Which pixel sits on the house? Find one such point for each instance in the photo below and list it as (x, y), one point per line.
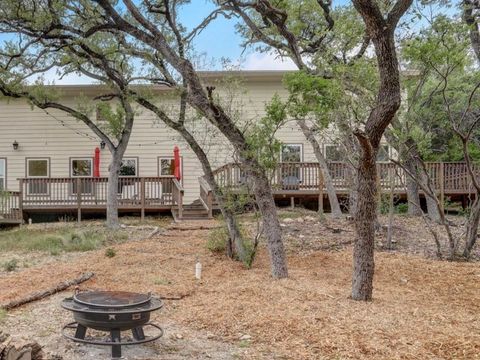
(47, 159)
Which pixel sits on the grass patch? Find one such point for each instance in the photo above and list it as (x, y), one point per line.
(217, 240)
(63, 239)
(110, 253)
(3, 315)
(160, 281)
(10, 265)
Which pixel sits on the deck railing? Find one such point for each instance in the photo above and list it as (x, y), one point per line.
(10, 207)
(206, 196)
(447, 177)
(142, 193)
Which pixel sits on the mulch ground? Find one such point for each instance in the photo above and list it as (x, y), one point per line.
(422, 308)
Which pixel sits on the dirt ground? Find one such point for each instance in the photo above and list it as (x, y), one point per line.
(422, 308)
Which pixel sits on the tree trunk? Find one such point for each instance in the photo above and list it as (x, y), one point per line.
(327, 179)
(413, 195)
(112, 191)
(472, 227)
(271, 225)
(363, 251)
(381, 30)
(353, 200)
(391, 210)
(432, 206)
(235, 247)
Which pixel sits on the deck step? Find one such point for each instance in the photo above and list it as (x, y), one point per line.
(191, 214)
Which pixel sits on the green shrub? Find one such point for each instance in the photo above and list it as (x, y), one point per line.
(217, 240)
(110, 253)
(10, 265)
(217, 243)
(401, 208)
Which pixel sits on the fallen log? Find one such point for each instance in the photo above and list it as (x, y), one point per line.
(42, 294)
(201, 227)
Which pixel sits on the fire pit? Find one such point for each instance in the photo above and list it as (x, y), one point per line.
(113, 312)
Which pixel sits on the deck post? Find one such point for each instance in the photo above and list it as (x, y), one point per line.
(442, 185)
(210, 204)
(180, 204)
(79, 200)
(20, 200)
(229, 175)
(142, 190)
(320, 192)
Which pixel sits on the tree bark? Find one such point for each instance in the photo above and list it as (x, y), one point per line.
(432, 206)
(363, 251)
(271, 225)
(469, 18)
(327, 179)
(391, 211)
(381, 30)
(112, 191)
(413, 194)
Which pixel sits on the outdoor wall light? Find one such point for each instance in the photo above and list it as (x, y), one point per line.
(102, 145)
(15, 145)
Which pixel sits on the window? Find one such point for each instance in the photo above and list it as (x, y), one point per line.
(333, 153)
(166, 166)
(129, 167)
(3, 174)
(383, 153)
(291, 175)
(335, 158)
(292, 153)
(38, 169)
(82, 167)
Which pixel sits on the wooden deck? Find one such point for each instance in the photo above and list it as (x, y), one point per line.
(305, 179)
(165, 193)
(90, 194)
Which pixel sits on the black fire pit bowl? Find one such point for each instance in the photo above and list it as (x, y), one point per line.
(112, 311)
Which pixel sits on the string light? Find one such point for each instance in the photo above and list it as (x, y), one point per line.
(86, 135)
(63, 123)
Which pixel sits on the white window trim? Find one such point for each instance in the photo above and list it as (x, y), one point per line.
(159, 168)
(389, 153)
(81, 159)
(38, 159)
(292, 144)
(136, 167)
(4, 175)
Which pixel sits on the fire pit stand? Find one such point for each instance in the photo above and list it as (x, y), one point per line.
(112, 312)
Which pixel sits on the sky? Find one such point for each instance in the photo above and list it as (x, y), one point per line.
(219, 40)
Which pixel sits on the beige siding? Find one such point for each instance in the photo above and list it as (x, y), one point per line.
(60, 137)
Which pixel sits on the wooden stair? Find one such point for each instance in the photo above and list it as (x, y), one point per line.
(193, 211)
